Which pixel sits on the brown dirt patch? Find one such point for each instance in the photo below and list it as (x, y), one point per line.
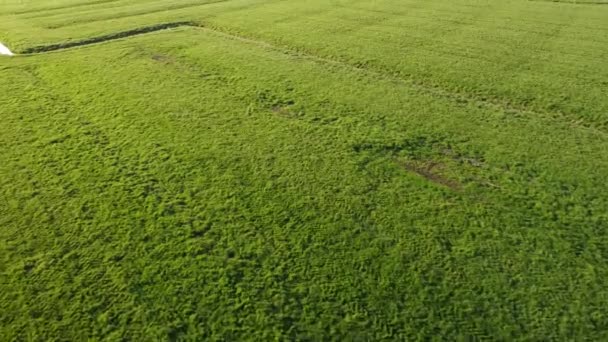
(162, 58)
(431, 171)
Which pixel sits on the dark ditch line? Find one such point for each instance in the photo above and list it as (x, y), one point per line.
(491, 103)
(105, 38)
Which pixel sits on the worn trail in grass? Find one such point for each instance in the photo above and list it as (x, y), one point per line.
(241, 181)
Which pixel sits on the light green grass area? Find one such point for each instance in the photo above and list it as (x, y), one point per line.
(305, 170)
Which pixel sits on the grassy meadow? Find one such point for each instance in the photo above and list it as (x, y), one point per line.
(304, 170)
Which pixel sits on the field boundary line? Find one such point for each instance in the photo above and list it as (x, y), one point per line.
(421, 86)
(496, 104)
(104, 38)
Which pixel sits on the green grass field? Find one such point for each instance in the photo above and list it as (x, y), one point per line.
(305, 170)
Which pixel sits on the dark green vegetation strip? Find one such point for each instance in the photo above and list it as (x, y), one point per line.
(369, 177)
(104, 38)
